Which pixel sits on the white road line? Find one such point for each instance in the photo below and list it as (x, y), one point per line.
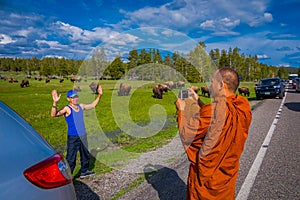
(249, 181)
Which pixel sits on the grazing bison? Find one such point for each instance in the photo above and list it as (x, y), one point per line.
(204, 90)
(47, 80)
(157, 91)
(244, 90)
(73, 79)
(195, 88)
(76, 88)
(180, 84)
(25, 82)
(12, 80)
(94, 87)
(170, 84)
(38, 78)
(164, 87)
(124, 89)
(3, 77)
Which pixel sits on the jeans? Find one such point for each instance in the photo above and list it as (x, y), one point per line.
(74, 144)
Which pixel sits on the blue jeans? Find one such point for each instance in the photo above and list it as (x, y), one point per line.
(75, 144)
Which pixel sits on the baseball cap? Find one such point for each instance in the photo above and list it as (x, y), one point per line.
(72, 93)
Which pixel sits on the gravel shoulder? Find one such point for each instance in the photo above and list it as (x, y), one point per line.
(169, 182)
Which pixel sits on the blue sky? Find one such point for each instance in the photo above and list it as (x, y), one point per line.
(72, 29)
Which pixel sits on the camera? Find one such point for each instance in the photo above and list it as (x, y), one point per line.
(184, 94)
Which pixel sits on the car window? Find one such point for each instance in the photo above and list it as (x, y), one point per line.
(269, 82)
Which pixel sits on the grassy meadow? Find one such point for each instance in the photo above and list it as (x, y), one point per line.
(109, 123)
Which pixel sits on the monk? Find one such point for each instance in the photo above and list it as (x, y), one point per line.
(213, 136)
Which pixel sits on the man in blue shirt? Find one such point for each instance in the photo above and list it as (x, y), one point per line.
(77, 136)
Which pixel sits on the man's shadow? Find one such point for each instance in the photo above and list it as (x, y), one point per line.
(166, 182)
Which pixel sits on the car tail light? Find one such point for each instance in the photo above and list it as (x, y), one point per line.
(50, 173)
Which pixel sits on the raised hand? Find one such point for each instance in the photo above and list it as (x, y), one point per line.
(100, 90)
(55, 96)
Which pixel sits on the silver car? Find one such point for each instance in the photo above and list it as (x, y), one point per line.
(30, 167)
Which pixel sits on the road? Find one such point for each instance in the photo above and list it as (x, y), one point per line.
(269, 167)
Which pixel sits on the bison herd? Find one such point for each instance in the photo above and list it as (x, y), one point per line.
(124, 89)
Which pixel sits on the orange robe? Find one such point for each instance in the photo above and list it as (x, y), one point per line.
(213, 137)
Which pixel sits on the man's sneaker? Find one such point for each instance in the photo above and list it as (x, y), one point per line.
(86, 174)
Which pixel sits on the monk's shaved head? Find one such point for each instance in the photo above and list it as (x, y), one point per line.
(230, 77)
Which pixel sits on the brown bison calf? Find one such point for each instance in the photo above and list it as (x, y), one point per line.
(204, 90)
(124, 89)
(244, 90)
(24, 83)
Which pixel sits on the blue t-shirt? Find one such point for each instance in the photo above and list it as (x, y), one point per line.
(75, 122)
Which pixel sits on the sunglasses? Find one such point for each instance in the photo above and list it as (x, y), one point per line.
(74, 97)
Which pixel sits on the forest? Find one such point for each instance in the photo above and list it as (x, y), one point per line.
(145, 64)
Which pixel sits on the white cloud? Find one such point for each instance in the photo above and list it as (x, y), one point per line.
(5, 39)
(284, 65)
(208, 25)
(264, 56)
(258, 21)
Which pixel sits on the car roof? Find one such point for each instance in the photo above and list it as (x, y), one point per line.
(270, 78)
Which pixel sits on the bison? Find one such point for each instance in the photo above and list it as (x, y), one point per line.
(94, 87)
(47, 80)
(180, 84)
(157, 91)
(25, 82)
(204, 90)
(170, 84)
(73, 79)
(164, 87)
(12, 80)
(124, 89)
(244, 90)
(76, 88)
(38, 78)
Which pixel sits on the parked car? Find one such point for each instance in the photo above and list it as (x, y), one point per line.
(30, 167)
(270, 88)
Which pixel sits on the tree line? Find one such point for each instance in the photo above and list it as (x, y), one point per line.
(148, 64)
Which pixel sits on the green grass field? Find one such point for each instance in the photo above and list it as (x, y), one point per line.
(131, 124)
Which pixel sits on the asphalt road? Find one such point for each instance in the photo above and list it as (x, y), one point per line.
(269, 168)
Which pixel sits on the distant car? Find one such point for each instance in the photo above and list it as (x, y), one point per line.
(270, 88)
(294, 83)
(30, 167)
